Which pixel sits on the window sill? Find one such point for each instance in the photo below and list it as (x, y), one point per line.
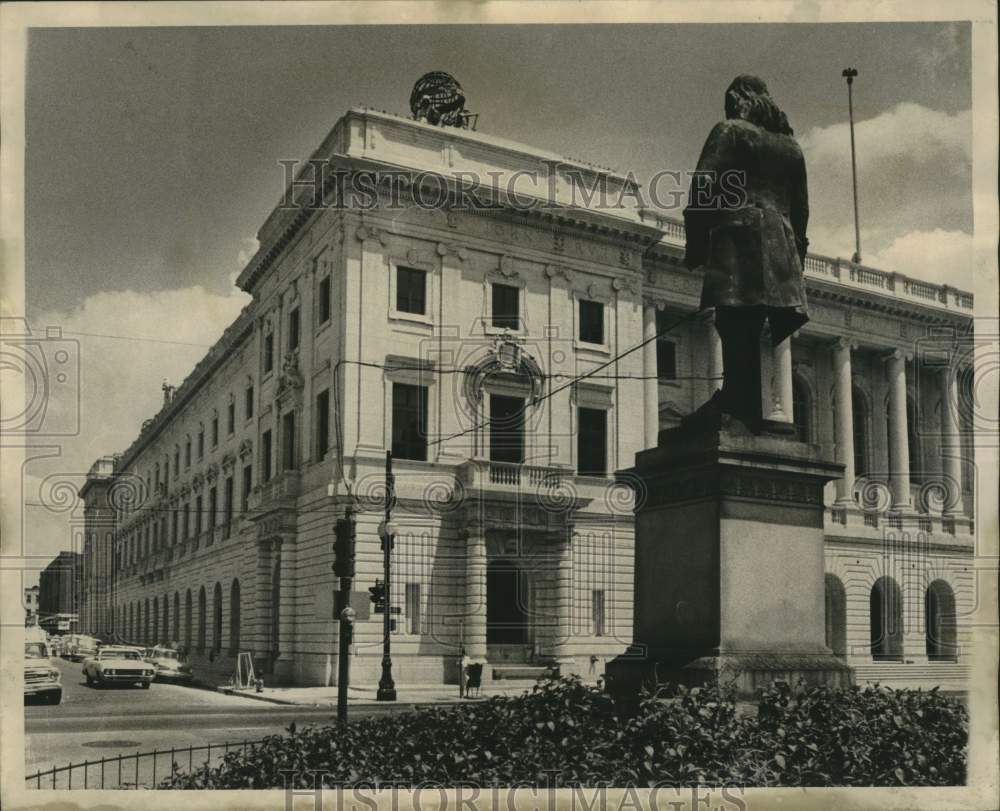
(586, 346)
(489, 329)
(411, 318)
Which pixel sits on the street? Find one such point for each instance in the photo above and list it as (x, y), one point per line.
(92, 723)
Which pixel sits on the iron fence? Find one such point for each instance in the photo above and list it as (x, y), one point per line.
(131, 771)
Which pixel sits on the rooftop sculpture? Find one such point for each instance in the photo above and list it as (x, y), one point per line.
(438, 98)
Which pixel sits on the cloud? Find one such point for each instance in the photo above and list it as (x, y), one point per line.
(914, 176)
(938, 256)
(128, 343)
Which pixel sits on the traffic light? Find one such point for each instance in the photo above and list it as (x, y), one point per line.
(343, 548)
(377, 593)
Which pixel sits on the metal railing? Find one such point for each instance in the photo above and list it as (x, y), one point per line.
(133, 771)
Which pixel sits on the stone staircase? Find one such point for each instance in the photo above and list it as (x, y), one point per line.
(946, 675)
(518, 672)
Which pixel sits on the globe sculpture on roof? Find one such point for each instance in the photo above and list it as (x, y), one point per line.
(437, 98)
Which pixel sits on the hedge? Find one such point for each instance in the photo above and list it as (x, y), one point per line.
(568, 734)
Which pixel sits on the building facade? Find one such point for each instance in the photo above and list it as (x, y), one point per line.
(31, 606)
(496, 351)
(60, 591)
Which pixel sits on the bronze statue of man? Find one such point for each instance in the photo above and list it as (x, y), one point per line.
(746, 230)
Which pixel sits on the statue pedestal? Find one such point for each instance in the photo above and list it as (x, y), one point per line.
(729, 573)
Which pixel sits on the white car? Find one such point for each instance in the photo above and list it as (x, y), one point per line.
(79, 647)
(41, 678)
(118, 665)
(170, 664)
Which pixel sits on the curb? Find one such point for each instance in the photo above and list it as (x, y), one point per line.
(406, 706)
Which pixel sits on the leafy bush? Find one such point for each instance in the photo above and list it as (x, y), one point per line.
(565, 733)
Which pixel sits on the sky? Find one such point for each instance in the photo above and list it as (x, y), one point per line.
(153, 158)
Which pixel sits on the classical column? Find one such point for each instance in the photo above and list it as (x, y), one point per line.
(781, 389)
(899, 450)
(475, 595)
(714, 343)
(651, 385)
(951, 445)
(561, 649)
(844, 416)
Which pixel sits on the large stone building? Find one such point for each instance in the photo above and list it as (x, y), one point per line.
(456, 338)
(60, 593)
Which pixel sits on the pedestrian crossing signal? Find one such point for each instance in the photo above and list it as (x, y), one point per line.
(377, 593)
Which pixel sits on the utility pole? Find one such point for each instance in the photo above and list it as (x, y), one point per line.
(849, 74)
(343, 567)
(386, 686)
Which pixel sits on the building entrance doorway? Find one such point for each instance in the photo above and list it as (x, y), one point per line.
(508, 609)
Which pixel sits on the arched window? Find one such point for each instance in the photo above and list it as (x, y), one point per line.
(234, 617)
(217, 618)
(176, 637)
(188, 619)
(913, 441)
(801, 409)
(859, 408)
(940, 622)
(202, 619)
(886, 620)
(836, 615)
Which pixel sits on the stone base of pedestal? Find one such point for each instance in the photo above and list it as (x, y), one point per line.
(729, 572)
(746, 673)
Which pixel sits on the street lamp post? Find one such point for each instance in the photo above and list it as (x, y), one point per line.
(849, 74)
(386, 686)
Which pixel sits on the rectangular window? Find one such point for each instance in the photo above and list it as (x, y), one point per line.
(293, 329)
(227, 507)
(177, 460)
(288, 441)
(187, 453)
(201, 442)
(322, 424)
(231, 418)
(411, 290)
(592, 442)
(409, 421)
(506, 307)
(187, 520)
(666, 355)
(413, 608)
(175, 535)
(597, 611)
(591, 322)
(247, 487)
(265, 456)
(248, 402)
(198, 509)
(324, 300)
(215, 430)
(213, 508)
(506, 429)
(268, 352)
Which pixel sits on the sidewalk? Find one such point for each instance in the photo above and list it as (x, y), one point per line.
(406, 694)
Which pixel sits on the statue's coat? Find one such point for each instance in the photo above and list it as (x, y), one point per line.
(749, 236)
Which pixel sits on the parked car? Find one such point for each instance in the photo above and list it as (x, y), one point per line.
(42, 679)
(116, 664)
(79, 647)
(170, 664)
